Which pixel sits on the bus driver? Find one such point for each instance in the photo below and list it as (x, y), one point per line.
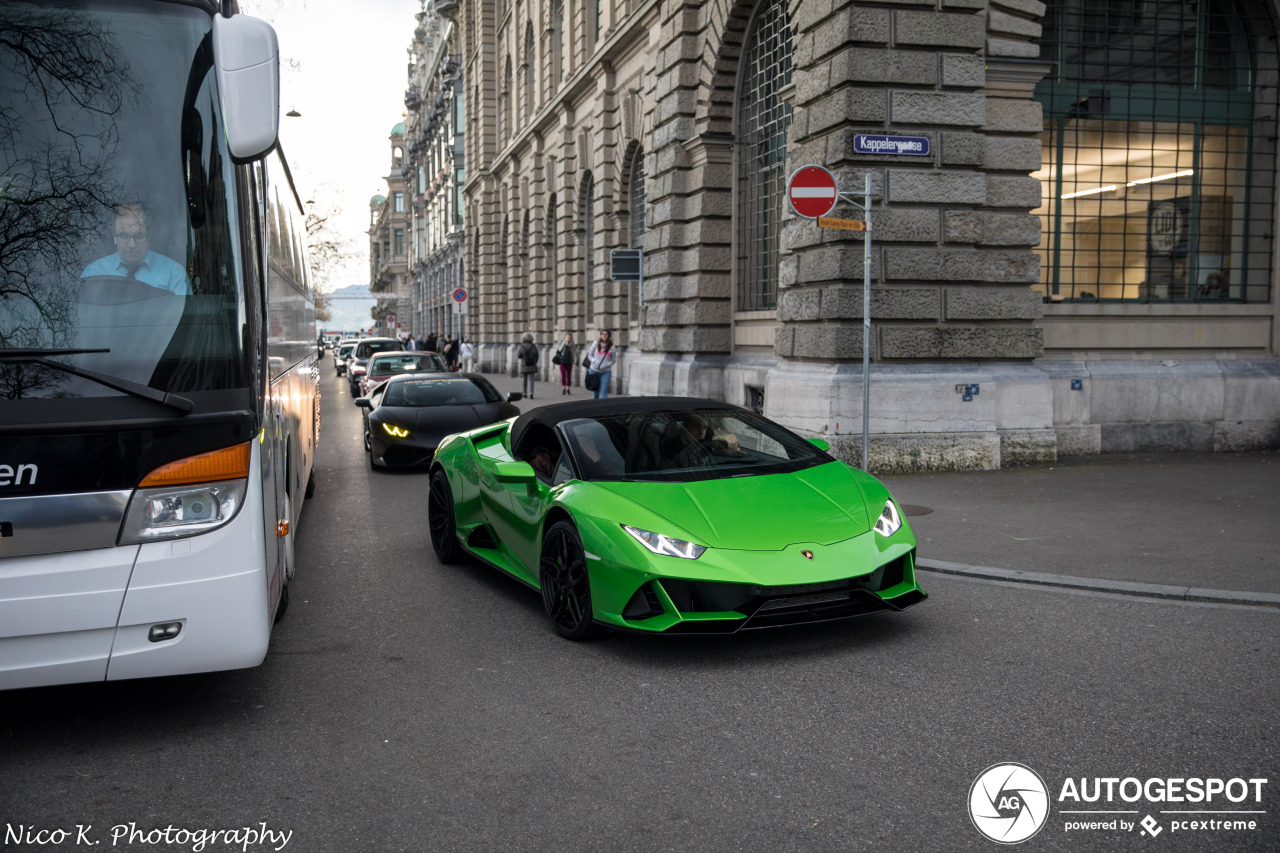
(133, 257)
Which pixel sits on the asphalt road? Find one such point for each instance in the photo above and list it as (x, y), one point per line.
(406, 706)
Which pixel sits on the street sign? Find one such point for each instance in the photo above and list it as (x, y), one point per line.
(867, 143)
(842, 224)
(460, 295)
(811, 191)
(624, 264)
(391, 320)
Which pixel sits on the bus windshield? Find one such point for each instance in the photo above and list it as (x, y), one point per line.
(120, 241)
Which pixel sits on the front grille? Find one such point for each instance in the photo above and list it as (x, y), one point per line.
(770, 606)
(404, 456)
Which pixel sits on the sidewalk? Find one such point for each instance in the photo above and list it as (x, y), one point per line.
(1200, 526)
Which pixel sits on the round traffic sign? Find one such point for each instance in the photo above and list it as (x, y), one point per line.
(460, 295)
(811, 191)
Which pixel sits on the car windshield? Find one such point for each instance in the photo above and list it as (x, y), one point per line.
(440, 392)
(678, 446)
(367, 348)
(394, 365)
(345, 350)
(118, 235)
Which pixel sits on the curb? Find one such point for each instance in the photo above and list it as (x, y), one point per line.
(1144, 590)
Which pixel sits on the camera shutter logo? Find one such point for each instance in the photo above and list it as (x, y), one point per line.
(1008, 803)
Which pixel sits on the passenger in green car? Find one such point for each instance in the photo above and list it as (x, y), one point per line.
(691, 441)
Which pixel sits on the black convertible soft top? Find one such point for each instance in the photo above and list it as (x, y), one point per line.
(560, 412)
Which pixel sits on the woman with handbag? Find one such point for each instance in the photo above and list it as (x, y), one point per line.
(565, 358)
(599, 364)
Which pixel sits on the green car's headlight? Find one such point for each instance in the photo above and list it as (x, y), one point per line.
(889, 521)
(395, 431)
(666, 545)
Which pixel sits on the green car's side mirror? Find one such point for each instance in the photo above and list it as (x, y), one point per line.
(820, 443)
(515, 473)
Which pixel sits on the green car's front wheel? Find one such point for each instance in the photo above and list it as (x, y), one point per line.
(566, 587)
(444, 534)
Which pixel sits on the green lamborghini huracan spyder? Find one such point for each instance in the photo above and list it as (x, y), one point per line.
(671, 515)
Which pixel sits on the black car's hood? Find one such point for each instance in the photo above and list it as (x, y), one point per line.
(440, 420)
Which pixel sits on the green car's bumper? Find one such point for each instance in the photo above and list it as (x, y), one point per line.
(725, 591)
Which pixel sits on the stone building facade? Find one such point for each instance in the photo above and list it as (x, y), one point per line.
(389, 241)
(434, 170)
(1082, 262)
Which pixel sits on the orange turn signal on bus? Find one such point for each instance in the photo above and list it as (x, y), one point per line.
(229, 463)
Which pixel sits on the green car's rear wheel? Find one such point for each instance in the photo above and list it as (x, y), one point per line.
(566, 587)
(444, 534)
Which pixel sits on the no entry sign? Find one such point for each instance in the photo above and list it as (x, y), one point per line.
(812, 191)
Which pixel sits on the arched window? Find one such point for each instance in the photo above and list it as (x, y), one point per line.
(504, 106)
(557, 40)
(553, 252)
(1159, 153)
(589, 244)
(763, 119)
(529, 61)
(635, 213)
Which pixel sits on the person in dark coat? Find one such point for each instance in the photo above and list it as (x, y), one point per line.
(527, 359)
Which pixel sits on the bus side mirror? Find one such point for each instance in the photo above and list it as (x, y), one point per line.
(246, 59)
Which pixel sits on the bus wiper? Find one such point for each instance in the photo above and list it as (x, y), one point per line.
(31, 355)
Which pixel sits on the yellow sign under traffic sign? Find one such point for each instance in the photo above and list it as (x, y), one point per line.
(842, 224)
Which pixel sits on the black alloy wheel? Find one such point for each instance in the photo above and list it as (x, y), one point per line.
(566, 586)
(444, 534)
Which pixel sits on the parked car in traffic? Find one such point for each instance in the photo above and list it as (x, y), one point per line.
(340, 353)
(406, 417)
(365, 349)
(385, 365)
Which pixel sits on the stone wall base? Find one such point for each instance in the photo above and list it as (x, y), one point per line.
(941, 417)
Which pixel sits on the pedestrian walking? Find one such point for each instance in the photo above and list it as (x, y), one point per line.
(467, 352)
(599, 364)
(566, 357)
(410, 344)
(527, 357)
(432, 341)
(451, 353)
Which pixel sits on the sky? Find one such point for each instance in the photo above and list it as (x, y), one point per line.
(345, 68)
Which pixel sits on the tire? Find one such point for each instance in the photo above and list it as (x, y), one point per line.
(283, 605)
(444, 531)
(566, 584)
(311, 485)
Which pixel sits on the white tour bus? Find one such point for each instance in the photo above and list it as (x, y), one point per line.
(158, 376)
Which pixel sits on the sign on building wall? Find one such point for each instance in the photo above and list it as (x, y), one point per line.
(915, 146)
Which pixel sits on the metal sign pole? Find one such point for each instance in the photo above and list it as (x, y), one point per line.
(865, 207)
(866, 332)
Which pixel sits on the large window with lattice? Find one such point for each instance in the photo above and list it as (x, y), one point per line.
(763, 119)
(1159, 157)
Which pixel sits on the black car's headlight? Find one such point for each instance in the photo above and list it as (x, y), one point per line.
(889, 521)
(667, 546)
(395, 431)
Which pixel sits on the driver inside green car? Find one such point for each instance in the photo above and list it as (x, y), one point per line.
(692, 441)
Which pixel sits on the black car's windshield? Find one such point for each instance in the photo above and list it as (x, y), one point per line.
(394, 365)
(114, 171)
(440, 392)
(703, 444)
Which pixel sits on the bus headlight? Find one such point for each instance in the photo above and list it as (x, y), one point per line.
(157, 514)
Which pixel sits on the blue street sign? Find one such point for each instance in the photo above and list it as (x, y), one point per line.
(916, 146)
